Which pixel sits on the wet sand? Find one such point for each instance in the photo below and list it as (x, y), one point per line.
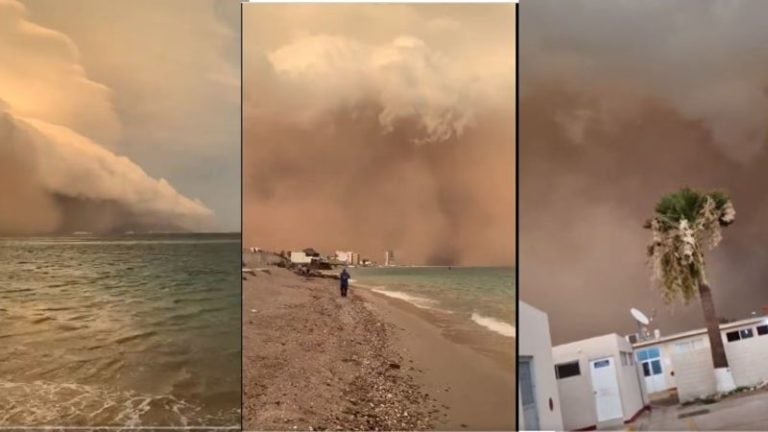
(316, 361)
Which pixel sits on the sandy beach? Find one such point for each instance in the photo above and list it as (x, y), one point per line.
(316, 361)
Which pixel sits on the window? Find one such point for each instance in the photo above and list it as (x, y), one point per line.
(762, 330)
(602, 364)
(736, 335)
(565, 370)
(648, 354)
(652, 367)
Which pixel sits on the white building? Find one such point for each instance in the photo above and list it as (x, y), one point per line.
(348, 257)
(683, 361)
(598, 382)
(538, 400)
(300, 258)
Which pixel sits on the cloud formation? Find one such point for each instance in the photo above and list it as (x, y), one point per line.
(396, 135)
(59, 132)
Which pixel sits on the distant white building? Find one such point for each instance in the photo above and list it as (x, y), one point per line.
(683, 361)
(348, 257)
(598, 382)
(538, 399)
(300, 258)
(389, 258)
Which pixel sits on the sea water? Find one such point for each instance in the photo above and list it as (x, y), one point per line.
(120, 331)
(484, 295)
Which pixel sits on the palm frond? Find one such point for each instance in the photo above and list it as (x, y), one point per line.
(685, 224)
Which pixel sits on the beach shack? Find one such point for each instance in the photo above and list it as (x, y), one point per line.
(598, 382)
(683, 361)
(538, 400)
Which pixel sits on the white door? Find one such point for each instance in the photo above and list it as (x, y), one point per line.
(654, 376)
(528, 394)
(606, 389)
(653, 369)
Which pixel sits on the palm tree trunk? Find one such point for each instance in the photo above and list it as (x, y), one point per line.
(713, 327)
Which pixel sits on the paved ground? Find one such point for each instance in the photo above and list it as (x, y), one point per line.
(747, 412)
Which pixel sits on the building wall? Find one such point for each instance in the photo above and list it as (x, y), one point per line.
(670, 376)
(694, 373)
(631, 384)
(577, 399)
(748, 359)
(535, 341)
(344, 256)
(693, 370)
(300, 258)
(576, 395)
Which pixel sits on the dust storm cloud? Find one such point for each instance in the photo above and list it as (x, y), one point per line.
(69, 140)
(374, 127)
(622, 102)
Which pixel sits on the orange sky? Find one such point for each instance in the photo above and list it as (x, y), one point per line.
(374, 127)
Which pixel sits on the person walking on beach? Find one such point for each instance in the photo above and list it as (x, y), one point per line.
(344, 281)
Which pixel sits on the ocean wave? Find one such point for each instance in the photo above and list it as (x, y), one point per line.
(48, 403)
(497, 326)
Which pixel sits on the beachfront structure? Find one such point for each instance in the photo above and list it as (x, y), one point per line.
(683, 361)
(301, 257)
(598, 382)
(261, 258)
(389, 258)
(538, 400)
(348, 257)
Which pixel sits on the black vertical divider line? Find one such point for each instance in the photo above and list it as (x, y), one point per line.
(242, 240)
(517, 206)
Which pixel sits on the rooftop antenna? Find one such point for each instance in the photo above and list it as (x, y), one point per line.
(642, 323)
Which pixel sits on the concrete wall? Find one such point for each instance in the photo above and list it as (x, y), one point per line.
(576, 395)
(694, 373)
(577, 400)
(631, 384)
(535, 341)
(748, 359)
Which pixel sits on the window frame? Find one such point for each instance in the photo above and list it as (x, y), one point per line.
(568, 363)
(764, 328)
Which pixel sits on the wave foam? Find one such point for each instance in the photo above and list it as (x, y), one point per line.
(420, 302)
(42, 403)
(497, 326)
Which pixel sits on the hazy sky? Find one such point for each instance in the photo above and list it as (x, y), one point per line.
(119, 114)
(622, 102)
(373, 127)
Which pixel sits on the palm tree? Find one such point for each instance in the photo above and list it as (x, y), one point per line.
(685, 224)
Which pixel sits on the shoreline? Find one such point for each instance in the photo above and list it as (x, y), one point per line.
(469, 370)
(365, 362)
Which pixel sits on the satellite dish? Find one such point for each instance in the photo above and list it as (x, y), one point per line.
(639, 316)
